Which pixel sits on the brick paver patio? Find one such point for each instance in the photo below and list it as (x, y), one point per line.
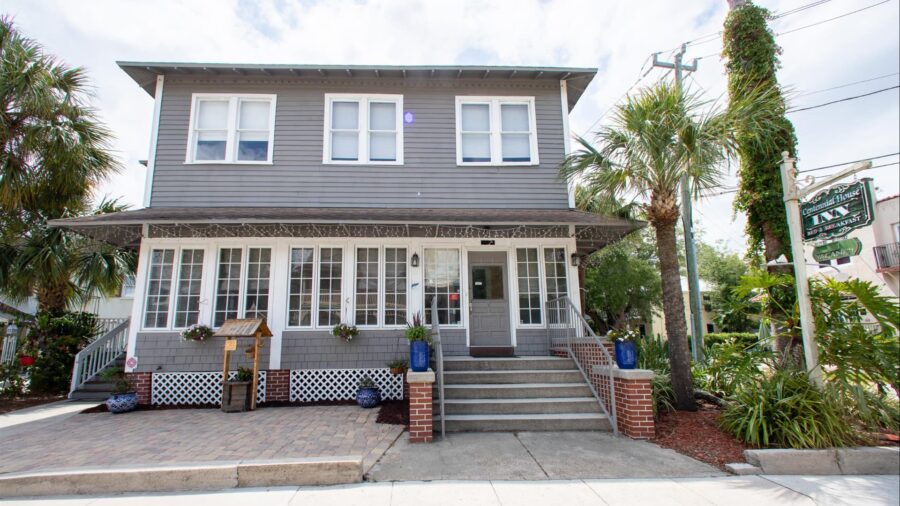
(195, 435)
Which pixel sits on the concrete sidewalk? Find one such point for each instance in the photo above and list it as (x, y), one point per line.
(725, 491)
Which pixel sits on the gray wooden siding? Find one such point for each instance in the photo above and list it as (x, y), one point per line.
(297, 178)
(168, 352)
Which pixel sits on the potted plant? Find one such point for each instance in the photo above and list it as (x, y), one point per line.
(398, 366)
(345, 332)
(197, 332)
(368, 395)
(419, 339)
(123, 398)
(626, 347)
(236, 393)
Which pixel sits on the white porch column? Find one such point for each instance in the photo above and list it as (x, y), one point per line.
(137, 305)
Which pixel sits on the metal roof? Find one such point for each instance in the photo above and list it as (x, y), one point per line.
(144, 73)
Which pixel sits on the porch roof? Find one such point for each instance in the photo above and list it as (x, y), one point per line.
(592, 231)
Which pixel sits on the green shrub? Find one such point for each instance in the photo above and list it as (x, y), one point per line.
(715, 338)
(786, 410)
(729, 364)
(653, 354)
(56, 339)
(11, 381)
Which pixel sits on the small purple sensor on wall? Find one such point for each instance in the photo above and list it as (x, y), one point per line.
(408, 117)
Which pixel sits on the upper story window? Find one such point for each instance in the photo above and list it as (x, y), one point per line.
(496, 131)
(231, 128)
(363, 129)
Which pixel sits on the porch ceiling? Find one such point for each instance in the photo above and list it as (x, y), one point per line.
(591, 231)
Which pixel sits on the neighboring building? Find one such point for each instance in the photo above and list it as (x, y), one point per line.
(117, 307)
(879, 259)
(312, 196)
(657, 326)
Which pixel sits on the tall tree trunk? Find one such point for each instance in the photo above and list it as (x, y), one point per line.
(673, 309)
(52, 299)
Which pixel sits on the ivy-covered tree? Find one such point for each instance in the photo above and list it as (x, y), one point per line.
(751, 59)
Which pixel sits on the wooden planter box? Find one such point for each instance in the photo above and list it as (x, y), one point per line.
(236, 396)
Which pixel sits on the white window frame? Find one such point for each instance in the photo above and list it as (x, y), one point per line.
(463, 287)
(496, 142)
(231, 137)
(173, 292)
(382, 286)
(542, 287)
(242, 286)
(314, 299)
(362, 128)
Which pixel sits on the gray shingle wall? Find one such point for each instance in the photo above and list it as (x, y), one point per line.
(429, 177)
(532, 342)
(172, 354)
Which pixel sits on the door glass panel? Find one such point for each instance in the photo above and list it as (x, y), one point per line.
(487, 282)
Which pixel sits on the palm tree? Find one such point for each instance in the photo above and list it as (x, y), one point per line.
(53, 152)
(653, 140)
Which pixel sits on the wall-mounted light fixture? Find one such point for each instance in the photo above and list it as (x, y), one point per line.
(414, 260)
(576, 260)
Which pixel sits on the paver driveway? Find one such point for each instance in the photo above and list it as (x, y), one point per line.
(194, 435)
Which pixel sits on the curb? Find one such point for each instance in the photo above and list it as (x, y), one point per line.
(832, 461)
(184, 477)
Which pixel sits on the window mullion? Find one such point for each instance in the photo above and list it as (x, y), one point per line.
(363, 131)
(173, 289)
(231, 141)
(496, 139)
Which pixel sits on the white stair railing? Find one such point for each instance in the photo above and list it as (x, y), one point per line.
(9, 349)
(98, 355)
(567, 328)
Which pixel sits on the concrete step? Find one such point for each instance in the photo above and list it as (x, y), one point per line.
(507, 364)
(543, 405)
(516, 391)
(513, 376)
(96, 386)
(80, 395)
(531, 422)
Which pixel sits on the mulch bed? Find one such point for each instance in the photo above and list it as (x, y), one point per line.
(394, 413)
(697, 435)
(7, 404)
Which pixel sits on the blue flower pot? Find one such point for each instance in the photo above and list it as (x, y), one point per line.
(418, 356)
(122, 403)
(626, 354)
(368, 397)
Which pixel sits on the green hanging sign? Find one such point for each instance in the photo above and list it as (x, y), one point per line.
(837, 249)
(837, 211)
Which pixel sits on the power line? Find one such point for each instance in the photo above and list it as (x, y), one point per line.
(870, 168)
(843, 99)
(735, 190)
(848, 84)
(848, 163)
(834, 18)
(800, 9)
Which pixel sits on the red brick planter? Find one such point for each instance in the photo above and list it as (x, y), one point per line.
(421, 422)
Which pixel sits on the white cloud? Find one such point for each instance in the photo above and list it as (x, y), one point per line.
(616, 36)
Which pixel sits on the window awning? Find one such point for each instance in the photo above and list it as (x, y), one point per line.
(591, 231)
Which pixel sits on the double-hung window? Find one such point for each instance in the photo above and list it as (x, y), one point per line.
(183, 270)
(243, 279)
(363, 129)
(496, 131)
(231, 129)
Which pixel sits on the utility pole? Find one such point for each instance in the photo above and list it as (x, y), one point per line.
(687, 220)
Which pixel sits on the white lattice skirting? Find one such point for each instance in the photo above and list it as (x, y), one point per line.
(195, 388)
(309, 385)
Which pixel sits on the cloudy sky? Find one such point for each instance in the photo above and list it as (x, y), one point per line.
(616, 37)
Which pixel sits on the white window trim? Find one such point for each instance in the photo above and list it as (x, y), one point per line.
(382, 292)
(542, 288)
(494, 104)
(231, 136)
(317, 288)
(314, 299)
(363, 127)
(242, 286)
(173, 287)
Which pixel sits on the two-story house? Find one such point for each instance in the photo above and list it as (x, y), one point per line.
(319, 195)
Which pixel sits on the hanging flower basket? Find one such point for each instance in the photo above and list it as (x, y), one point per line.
(26, 360)
(197, 332)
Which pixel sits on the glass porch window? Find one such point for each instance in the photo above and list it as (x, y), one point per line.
(476, 132)
(442, 282)
(187, 299)
(382, 131)
(344, 131)
(228, 285)
(330, 270)
(366, 286)
(253, 130)
(211, 132)
(256, 293)
(395, 286)
(527, 269)
(555, 279)
(301, 288)
(159, 287)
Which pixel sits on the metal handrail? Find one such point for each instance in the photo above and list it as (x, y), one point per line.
(574, 325)
(438, 361)
(98, 355)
